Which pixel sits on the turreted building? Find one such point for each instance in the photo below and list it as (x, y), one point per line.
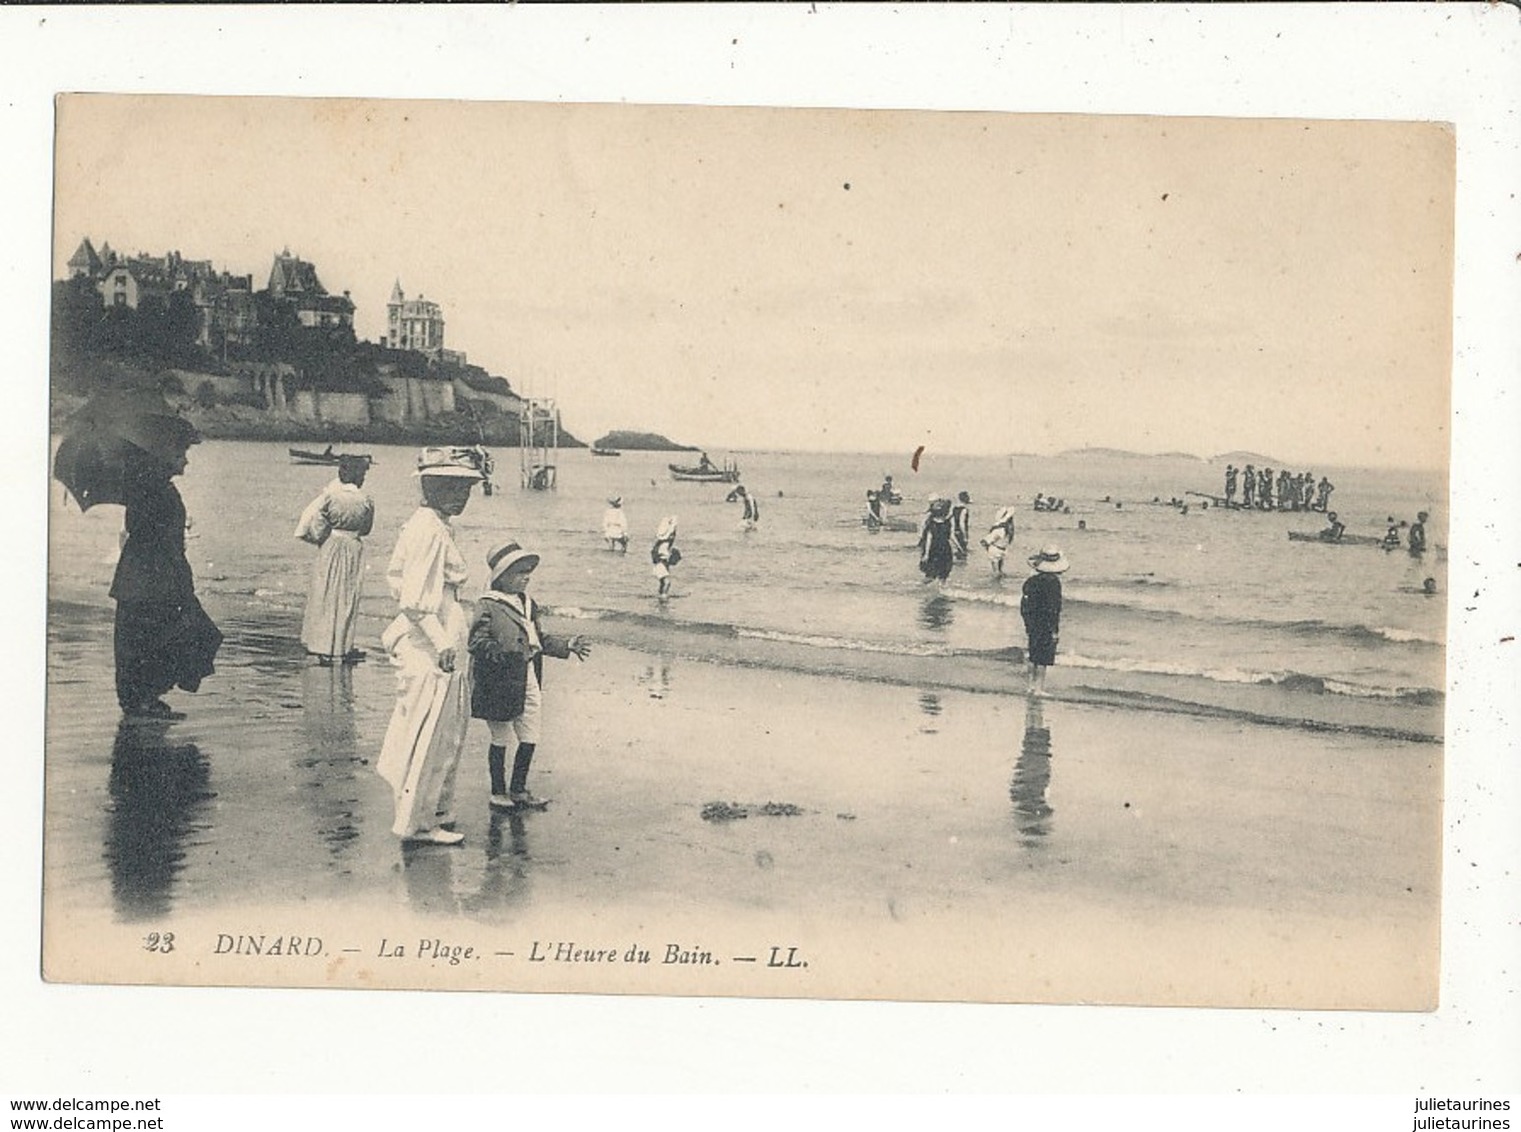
(414, 324)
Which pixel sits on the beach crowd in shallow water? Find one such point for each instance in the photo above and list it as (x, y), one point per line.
(452, 667)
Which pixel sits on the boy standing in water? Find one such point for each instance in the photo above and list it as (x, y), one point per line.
(507, 650)
(1040, 604)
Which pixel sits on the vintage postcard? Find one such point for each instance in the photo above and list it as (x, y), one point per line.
(656, 550)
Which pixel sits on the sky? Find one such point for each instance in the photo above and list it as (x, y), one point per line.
(834, 280)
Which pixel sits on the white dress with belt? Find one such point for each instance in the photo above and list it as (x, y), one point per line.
(427, 731)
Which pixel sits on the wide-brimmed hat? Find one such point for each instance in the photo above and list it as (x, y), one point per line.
(1005, 515)
(667, 528)
(508, 555)
(1050, 560)
(450, 463)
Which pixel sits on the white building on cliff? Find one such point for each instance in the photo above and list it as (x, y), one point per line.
(417, 324)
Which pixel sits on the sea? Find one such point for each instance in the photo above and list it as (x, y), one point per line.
(1198, 608)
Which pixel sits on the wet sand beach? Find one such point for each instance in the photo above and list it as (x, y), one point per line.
(901, 841)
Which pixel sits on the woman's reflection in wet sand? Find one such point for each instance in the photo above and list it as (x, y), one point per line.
(929, 705)
(1032, 778)
(328, 758)
(937, 612)
(158, 789)
(437, 877)
(428, 873)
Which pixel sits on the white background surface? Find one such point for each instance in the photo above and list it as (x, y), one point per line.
(1452, 62)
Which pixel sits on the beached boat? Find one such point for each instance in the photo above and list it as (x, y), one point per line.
(595, 451)
(698, 473)
(1345, 540)
(328, 458)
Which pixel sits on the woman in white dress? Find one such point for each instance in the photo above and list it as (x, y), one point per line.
(336, 522)
(428, 644)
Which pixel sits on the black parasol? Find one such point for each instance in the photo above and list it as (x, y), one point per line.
(110, 435)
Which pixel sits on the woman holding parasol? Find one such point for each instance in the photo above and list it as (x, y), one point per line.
(126, 447)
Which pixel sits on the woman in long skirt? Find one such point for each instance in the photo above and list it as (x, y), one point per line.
(336, 522)
(163, 637)
(428, 645)
(935, 554)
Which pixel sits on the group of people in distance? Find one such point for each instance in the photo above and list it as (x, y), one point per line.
(1289, 491)
(663, 552)
(1044, 502)
(1394, 538)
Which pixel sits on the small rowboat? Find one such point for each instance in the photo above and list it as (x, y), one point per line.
(328, 458)
(729, 473)
(595, 451)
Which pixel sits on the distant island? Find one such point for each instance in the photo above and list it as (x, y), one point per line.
(1122, 454)
(622, 439)
(1256, 458)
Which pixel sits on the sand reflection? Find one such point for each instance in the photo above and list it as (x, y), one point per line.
(327, 758)
(937, 612)
(656, 678)
(158, 789)
(504, 881)
(449, 880)
(930, 705)
(1032, 778)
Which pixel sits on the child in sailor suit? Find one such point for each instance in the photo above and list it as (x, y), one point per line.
(507, 650)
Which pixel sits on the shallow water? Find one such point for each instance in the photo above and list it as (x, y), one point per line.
(1215, 605)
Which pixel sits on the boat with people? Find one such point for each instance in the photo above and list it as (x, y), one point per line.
(327, 457)
(1343, 540)
(705, 471)
(595, 451)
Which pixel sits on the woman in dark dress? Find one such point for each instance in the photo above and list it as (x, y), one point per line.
(163, 637)
(1040, 604)
(935, 554)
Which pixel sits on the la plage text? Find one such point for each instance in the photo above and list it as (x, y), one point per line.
(436, 949)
